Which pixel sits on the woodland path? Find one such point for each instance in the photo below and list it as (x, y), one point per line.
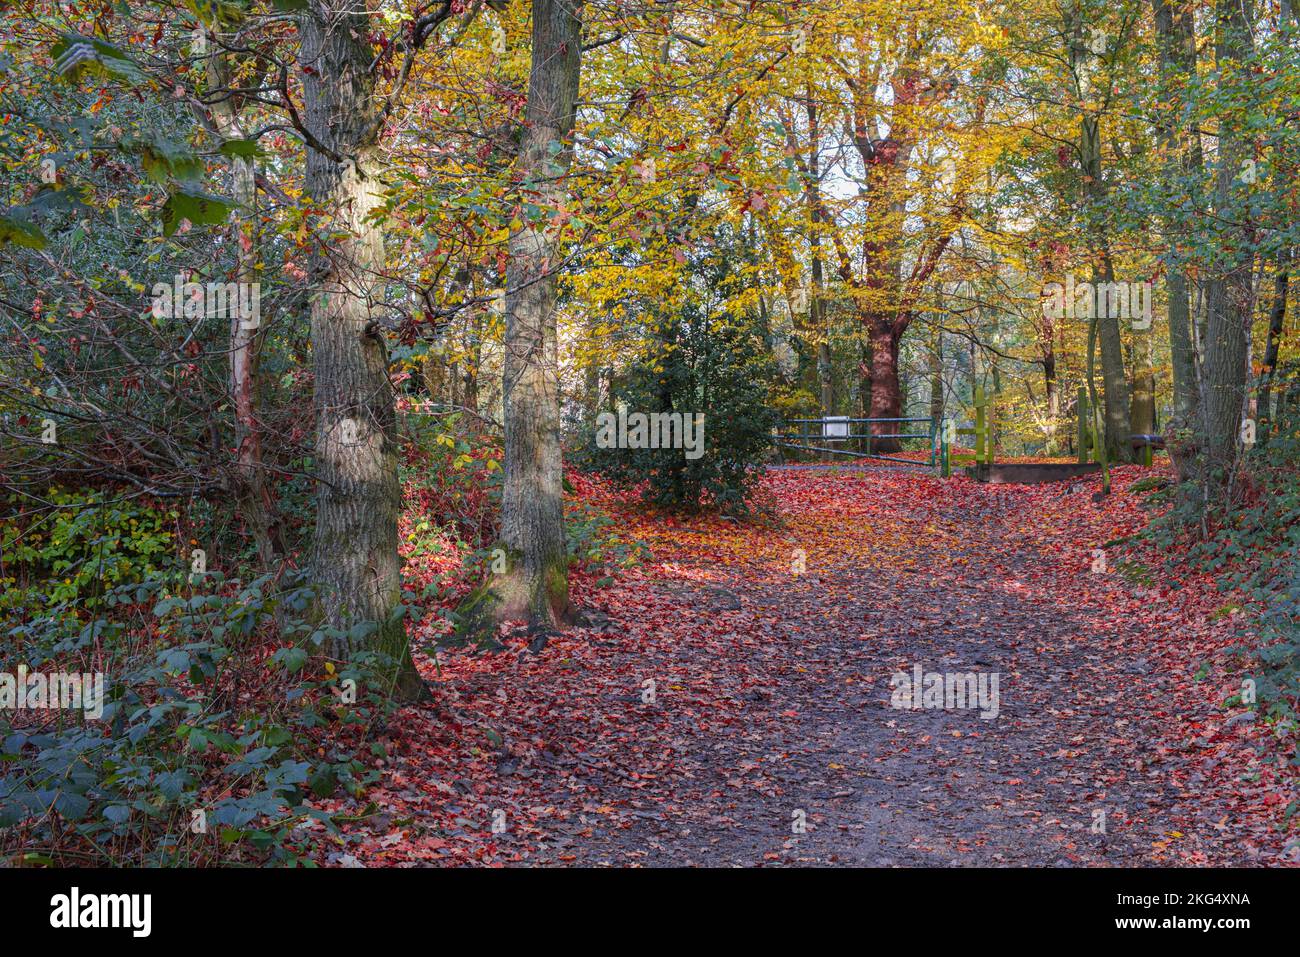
(772, 696)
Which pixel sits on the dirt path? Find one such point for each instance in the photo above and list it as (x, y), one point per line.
(880, 786)
(772, 704)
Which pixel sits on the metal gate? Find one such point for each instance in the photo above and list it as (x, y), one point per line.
(799, 433)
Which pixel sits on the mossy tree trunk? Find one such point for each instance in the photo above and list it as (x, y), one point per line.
(1176, 36)
(1230, 294)
(356, 564)
(535, 584)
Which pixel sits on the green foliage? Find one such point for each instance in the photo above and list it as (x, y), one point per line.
(707, 365)
(792, 402)
(177, 743)
(77, 56)
(593, 539)
(86, 541)
(1136, 574)
(19, 233)
(452, 477)
(1265, 535)
(1152, 483)
(163, 160)
(199, 208)
(709, 358)
(1253, 548)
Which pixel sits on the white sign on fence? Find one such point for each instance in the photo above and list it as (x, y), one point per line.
(835, 427)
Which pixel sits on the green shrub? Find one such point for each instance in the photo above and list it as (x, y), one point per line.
(701, 365)
(83, 542)
(208, 749)
(1253, 548)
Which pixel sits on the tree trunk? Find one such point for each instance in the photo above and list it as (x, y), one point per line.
(1114, 379)
(477, 329)
(1277, 315)
(1053, 390)
(356, 564)
(864, 390)
(886, 396)
(591, 384)
(1142, 417)
(824, 378)
(1276, 324)
(1046, 328)
(434, 373)
(1229, 295)
(1176, 34)
(936, 375)
(1182, 348)
(254, 493)
(536, 586)
(825, 368)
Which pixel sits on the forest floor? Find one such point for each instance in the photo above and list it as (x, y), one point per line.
(771, 739)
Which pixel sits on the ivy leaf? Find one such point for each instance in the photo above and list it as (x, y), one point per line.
(20, 234)
(163, 160)
(76, 56)
(324, 782)
(201, 209)
(71, 805)
(214, 12)
(293, 659)
(241, 149)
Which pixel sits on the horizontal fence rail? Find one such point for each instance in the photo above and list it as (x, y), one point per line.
(834, 430)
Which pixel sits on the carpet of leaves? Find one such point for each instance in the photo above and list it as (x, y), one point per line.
(771, 699)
